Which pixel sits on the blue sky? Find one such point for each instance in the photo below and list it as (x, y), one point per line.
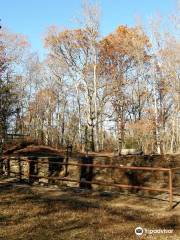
(32, 17)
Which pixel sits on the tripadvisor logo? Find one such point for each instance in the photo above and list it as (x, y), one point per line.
(139, 231)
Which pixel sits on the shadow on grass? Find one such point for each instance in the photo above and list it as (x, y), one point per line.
(129, 214)
(84, 205)
(4, 219)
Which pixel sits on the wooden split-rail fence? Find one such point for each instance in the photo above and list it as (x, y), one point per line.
(86, 180)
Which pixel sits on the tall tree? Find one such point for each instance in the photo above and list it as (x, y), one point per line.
(121, 52)
(78, 50)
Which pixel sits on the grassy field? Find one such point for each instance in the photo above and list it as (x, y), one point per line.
(45, 213)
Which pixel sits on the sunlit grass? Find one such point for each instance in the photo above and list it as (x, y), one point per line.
(46, 213)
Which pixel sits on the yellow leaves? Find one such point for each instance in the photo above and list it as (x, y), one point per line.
(45, 100)
(51, 36)
(124, 46)
(46, 94)
(142, 126)
(10, 39)
(131, 38)
(12, 46)
(122, 30)
(75, 39)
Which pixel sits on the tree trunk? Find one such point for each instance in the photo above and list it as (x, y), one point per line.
(157, 132)
(79, 116)
(62, 132)
(86, 139)
(102, 134)
(96, 132)
(92, 145)
(120, 130)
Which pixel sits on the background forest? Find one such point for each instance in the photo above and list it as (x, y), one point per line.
(95, 92)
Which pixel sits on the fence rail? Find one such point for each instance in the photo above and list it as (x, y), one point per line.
(170, 171)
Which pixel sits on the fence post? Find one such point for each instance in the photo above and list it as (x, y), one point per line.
(86, 172)
(68, 154)
(29, 170)
(8, 166)
(1, 155)
(20, 169)
(170, 190)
